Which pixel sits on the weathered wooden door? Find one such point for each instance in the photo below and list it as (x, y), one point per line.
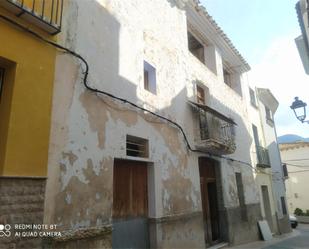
(267, 207)
(209, 201)
(130, 205)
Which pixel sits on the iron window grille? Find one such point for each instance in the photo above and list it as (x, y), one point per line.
(262, 157)
(136, 146)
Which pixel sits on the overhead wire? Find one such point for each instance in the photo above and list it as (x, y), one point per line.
(90, 88)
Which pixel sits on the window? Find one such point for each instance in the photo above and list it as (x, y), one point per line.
(241, 197)
(227, 77)
(137, 147)
(196, 48)
(269, 115)
(149, 78)
(200, 95)
(285, 170)
(1, 81)
(255, 135)
(284, 211)
(252, 97)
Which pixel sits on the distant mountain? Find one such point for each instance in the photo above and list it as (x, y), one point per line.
(291, 138)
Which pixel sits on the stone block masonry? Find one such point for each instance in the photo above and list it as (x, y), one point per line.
(21, 202)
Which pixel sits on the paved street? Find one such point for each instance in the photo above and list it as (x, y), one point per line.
(299, 241)
(299, 238)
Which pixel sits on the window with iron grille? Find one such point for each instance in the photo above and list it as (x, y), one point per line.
(1, 81)
(137, 147)
(252, 97)
(47, 15)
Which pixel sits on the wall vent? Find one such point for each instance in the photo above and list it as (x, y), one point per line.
(137, 147)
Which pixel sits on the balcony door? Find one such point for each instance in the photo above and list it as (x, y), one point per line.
(208, 182)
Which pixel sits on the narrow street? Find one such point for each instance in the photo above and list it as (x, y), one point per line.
(299, 241)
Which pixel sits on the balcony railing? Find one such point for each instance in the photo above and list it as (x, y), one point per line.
(262, 157)
(215, 131)
(46, 14)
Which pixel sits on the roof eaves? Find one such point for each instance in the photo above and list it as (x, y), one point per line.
(201, 8)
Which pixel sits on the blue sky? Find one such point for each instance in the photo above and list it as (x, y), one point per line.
(264, 32)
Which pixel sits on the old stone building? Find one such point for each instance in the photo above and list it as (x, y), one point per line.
(183, 180)
(149, 133)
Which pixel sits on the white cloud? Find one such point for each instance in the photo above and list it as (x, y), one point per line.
(281, 70)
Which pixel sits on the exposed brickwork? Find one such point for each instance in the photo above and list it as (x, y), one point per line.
(21, 202)
(100, 238)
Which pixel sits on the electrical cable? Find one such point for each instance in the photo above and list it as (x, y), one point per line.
(299, 166)
(302, 159)
(85, 83)
(299, 171)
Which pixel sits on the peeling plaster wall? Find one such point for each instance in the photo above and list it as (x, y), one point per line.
(89, 130)
(272, 177)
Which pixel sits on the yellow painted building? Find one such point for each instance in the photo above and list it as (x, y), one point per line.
(26, 93)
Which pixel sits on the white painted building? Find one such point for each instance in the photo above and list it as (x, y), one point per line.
(178, 175)
(266, 156)
(295, 156)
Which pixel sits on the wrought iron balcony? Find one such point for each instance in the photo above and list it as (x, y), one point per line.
(262, 157)
(215, 132)
(46, 14)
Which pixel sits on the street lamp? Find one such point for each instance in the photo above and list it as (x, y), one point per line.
(299, 108)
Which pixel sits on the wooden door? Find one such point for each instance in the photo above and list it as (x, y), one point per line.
(267, 207)
(130, 205)
(209, 200)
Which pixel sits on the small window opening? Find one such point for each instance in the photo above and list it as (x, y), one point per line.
(150, 78)
(252, 97)
(196, 48)
(269, 115)
(200, 95)
(285, 170)
(227, 77)
(137, 147)
(284, 211)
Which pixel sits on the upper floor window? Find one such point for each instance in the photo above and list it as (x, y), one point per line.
(200, 95)
(150, 78)
(255, 135)
(1, 81)
(196, 48)
(252, 97)
(285, 170)
(269, 115)
(227, 77)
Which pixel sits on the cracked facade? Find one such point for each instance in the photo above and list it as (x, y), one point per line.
(113, 165)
